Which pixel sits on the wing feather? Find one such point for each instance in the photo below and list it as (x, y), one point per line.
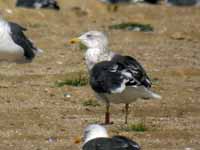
(131, 67)
(113, 76)
(20, 39)
(114, 143)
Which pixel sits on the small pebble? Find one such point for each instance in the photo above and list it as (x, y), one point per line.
(52, 139)
(67, 95)
(9, 11)
(189, 148)
(59, 62)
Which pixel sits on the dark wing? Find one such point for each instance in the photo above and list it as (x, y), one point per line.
(98, 144)
(124, 143)
(183, 2)
(20, 39)
(132, 69)
(117, 1)
(25, 3)
(50, 4)
(105, 77)
(116, 143)
(152, 1)
(113, 76)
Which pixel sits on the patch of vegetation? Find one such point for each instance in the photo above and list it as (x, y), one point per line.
(132, 27)
(79, 11)
(92, 103)
(139, 127)
(74, 81)
(37, 25)
(155, 80)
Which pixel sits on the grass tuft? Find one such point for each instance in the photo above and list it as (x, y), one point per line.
(139, 127)
(155, 80)
(92, 103)
(74, 81)
(37, 25)
(132, 27)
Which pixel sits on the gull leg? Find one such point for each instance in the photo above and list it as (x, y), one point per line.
(126, 113)
(107, 115)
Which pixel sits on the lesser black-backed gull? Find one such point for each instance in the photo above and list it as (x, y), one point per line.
(14, 45)
(113, 77)
(52, 4)
(128, 1)
(96, 138)
(113, 4)
(183, 2)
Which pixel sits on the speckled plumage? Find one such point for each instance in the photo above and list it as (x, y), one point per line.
(114, 78)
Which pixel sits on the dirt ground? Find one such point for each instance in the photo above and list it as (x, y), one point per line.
(36, 115)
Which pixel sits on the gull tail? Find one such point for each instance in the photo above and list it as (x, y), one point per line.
(155, 96)
(150, 94)
(39, 51)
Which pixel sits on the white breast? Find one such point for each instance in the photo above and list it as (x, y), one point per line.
(96, 55)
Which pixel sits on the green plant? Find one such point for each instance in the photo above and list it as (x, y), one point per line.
(139, 127)
(132, 27)
(92, 103)
(74, 81)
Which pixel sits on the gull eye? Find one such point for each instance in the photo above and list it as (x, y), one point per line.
(87, 132)
(88, 35)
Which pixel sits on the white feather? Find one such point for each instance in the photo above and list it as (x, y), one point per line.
(94, 131)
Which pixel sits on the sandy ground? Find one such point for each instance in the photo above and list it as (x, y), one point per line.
(35, 114)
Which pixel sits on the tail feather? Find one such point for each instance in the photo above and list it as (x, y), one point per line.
(39, 51)
(156, 96)
(151, 94)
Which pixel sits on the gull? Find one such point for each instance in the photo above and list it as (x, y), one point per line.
(96, 138)
(52, 4)
(113, 77)
(113, 4)
(183, 2)
(14, 45)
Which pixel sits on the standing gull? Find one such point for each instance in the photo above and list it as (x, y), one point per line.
(128, 1)
(183, 2)
(52, 4)
(113, 4)
(113, 77)
(14, 45)
(96, 138)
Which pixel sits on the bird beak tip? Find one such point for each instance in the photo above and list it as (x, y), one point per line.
(74, 40)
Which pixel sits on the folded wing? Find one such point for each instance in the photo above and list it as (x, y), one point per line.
(113, 76)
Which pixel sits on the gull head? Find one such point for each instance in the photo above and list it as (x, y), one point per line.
(92, 39)
(94, 131)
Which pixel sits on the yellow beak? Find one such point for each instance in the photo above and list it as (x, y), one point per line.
(74, 40)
